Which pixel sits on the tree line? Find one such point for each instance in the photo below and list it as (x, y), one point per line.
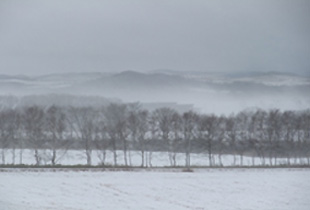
(267, 135)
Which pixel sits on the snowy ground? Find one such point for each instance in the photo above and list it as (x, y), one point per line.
(268, 189)
(76, 157)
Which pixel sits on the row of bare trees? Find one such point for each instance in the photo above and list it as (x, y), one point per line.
(264, 135)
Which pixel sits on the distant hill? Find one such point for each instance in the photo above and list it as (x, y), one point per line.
(136, 80)
(208, 92)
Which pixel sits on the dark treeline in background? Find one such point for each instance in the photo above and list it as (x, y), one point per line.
(267, 135)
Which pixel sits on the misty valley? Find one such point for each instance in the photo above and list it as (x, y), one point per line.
(211, 93)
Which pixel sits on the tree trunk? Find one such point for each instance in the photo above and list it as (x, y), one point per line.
(146, 159)
(104, 154)
(129, 157)
(125, 151)
(275, 160)
(150, 158)
(187, 160)
(142, 158)
(270, 157)
(13, 156)
(170, 158)
(3, 156)
(37, 157)
(210, 153)
(253, 160)
(220, 159)
(125, 157)
(54, 157)
(88, 156)
(210, 159)
(288, 160)
(188, 154)
(114, 152)
(263, 158)
(174, 155)
(21, 156)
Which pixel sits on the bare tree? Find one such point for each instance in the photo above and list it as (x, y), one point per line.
(207, 134)
(261, 135)
(116, 116)
(142, 132)
(176, 126)
(220, 138)
(84, 123)
(243, 122)
(300, 118)
(273, 134)
(306, 135)
(33, 121)
(164, 117)
(9, 125)
(138, 126)
(55, 127)
(102, 141)
(189, 126)
(288, 120)
(133, 126)
(4, 136)
(231, 132)
(154, 133)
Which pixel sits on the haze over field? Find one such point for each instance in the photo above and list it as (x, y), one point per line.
(205, 92)
(226, 56)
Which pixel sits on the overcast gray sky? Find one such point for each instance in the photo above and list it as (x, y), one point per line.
(38, 37)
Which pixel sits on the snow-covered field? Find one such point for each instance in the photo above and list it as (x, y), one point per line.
(268, 189)
(155, 159)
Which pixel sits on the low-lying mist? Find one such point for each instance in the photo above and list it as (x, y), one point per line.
(206, 93)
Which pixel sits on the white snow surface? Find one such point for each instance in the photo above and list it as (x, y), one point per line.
(248, 189)
(158, 159)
